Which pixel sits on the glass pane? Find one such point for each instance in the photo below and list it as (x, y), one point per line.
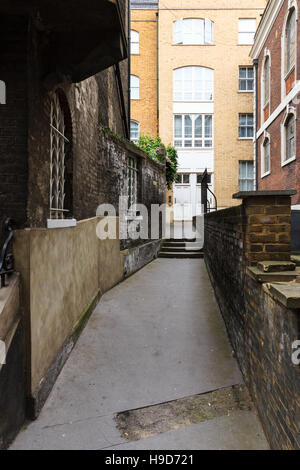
(242, 170)
(208, 126)
(250, 119)
(208, 143)
(243, 119)
(188, 143)
(186, 179)
(242, 85)
(178, 126)
(198, 126)
(198, 143)
(188, 129)
(249, 170)
(243, 72)
(250, 85)
(247, 25)
(250, 72)
(178, 143)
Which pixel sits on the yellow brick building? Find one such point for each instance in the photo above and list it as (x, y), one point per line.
(205, 90)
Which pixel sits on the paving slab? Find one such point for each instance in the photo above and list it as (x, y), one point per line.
(156, 337)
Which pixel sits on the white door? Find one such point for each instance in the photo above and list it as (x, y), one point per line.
(183, 198)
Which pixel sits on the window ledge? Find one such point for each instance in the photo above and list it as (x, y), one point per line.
(290, 160)
(61, 223)
(245, 91)
(246, 138)
(265, 174)
(205, 45)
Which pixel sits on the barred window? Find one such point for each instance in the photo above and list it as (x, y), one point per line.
(132, 175)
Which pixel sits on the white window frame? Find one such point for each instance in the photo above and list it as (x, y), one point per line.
(181, 183)
(2, 92)
(247, 126)
(246, 79)
(134, 42)
(290, 111)
(134, 78)
(292, 5)
(206, 30)
(180, 76)
(246, 162)
(135, 140)
(266, 139)
(193, 138)
(243, 31)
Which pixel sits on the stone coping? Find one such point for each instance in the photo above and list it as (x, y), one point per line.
(286, 294)
(246, 194)
(263, 277)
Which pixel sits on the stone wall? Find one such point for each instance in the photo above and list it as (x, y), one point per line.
(260, 327)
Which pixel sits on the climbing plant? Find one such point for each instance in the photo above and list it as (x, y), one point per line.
(156, 150)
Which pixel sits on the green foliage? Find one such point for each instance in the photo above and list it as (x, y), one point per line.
(158, 152)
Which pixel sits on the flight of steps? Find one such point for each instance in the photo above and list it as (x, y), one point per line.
(183, 248)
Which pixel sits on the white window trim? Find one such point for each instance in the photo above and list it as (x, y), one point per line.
(138, 43)
(292, 4)
(246, 179)
(262, 155)
(248, 32)
(246, 67)
(245, 138)
(289, 110)
(205, 21)
(193, 138)
(267, 55)
(136, 122)
(137, 88)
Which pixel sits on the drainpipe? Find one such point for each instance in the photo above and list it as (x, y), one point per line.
(255, 64)
(157, 66)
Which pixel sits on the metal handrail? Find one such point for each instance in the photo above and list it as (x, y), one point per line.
(6, 258)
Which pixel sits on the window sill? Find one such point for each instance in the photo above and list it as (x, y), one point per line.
(61, 223)
(245, 91)
(247, 45)
(290, 160)
(246, 138)
(197, 45)
(265, 174)
(194, 148)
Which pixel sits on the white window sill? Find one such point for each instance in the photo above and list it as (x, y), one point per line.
(61, 223)
(201, 44)
(246, 138)
(245, 91)
(265, 174)
(286, 162)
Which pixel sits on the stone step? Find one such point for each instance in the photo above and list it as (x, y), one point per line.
(180, 254)
(296, 259)
(178, 249)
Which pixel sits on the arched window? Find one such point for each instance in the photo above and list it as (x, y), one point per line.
(134, 42)
(288, 136)
(134, 131)
(193, 84)
(290, 42)
(134, 87)
(2, 92)
(61, 167)
(266, 81)
(193, 31)
(265, 156)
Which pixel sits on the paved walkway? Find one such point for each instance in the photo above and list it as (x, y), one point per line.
(154, 338)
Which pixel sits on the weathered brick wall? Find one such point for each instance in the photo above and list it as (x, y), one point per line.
(13, 125)
(261, 329)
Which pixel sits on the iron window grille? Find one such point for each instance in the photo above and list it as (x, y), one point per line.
(58, 141)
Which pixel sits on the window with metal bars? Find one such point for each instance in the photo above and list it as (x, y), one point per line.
(132, 179)
(60, 186)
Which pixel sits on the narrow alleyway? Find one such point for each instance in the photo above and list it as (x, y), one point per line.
(158, 337)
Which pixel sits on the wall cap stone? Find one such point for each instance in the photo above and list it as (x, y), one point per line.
(263, 277)
(286, 294)
(246, 194)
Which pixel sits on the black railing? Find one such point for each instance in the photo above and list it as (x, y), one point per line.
(204, 199)
(6, 255)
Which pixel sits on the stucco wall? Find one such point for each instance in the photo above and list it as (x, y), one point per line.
(62, 271)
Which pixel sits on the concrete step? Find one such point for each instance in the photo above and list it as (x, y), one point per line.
(180, 254)
(178, 249)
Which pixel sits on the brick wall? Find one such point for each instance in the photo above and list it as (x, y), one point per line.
(288, 176)
(260, 328)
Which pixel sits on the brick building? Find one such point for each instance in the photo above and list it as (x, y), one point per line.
(276, 54)
(198, 102)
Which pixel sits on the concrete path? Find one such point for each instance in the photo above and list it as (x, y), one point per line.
(154, 338)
